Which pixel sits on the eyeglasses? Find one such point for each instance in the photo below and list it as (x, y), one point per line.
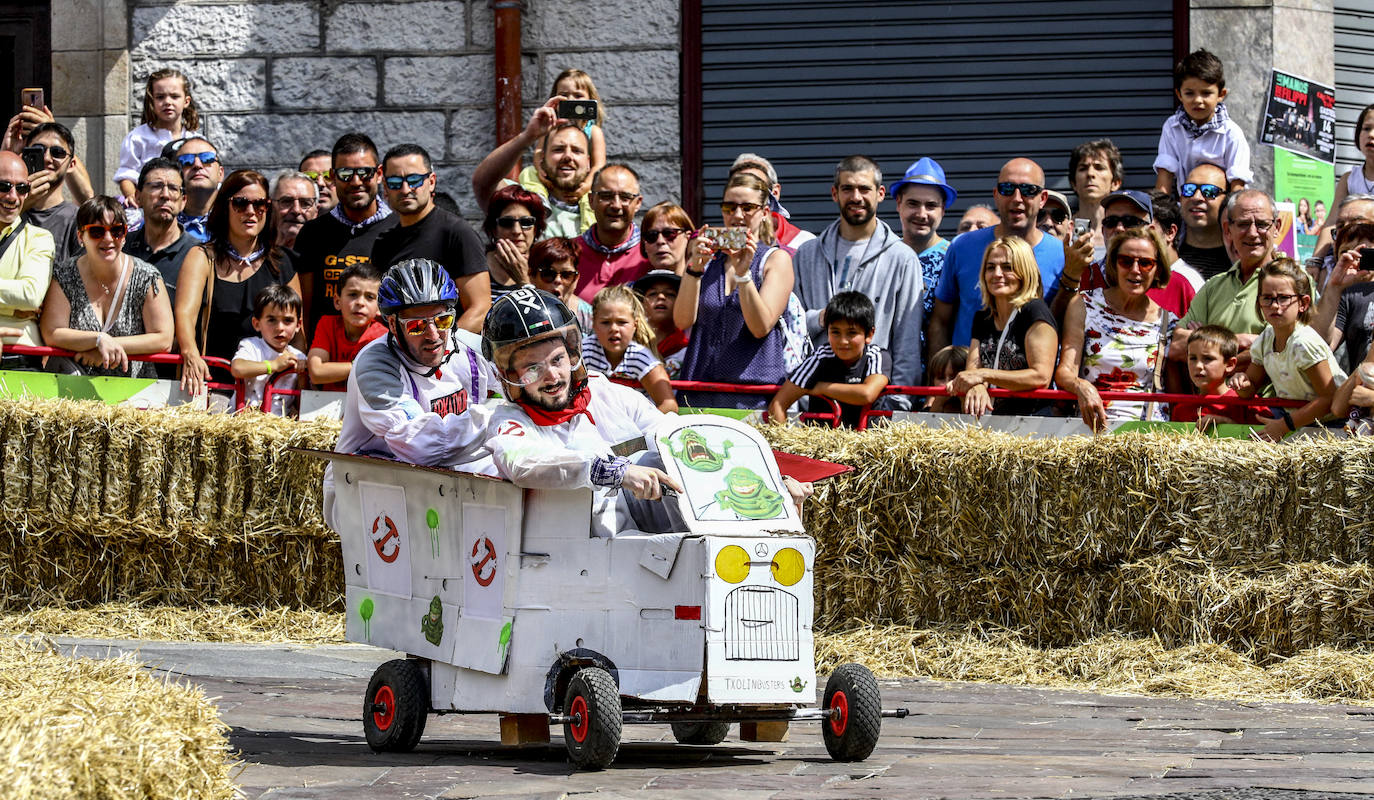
(58, 152)
(624, 197)
(1209, 191)
(550, 274)
(1126, 262)
(286, 201)
(1124, 221)
(669, 234)
(169, 188)
(1277, 299)
(394, 182)
(345, 174)
(1028, 190)
(728, 208)
(316, 176)
(189, 159)
(511, 222)
(417, 326)
(1261, 225)
(21, 188)
(242, 204)
(1056, 214)
(97, 230)
(536, 372)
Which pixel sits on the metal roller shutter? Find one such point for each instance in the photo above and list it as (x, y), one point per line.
(1354, 37)
(807, 82)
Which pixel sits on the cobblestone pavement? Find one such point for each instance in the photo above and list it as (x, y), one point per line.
(295, 717)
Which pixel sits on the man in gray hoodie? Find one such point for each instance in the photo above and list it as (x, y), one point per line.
(860, 252)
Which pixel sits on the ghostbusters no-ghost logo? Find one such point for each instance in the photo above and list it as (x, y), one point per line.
(483, 561)
(387, 541)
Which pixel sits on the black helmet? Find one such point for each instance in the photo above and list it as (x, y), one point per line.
(415, 282)
(523, 317)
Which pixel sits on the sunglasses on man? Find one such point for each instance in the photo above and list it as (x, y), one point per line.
(1210, 191)
(57, 151)
(1028, 190)
(21, 188)
(417, 326)
(1056, 215)
(413, 180)
(345, 174)
(187, 160)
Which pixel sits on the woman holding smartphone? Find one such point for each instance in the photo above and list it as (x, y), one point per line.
(735, 297)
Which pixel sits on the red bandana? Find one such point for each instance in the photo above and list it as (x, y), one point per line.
(544, 418)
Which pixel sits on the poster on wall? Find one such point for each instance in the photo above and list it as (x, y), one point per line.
(1300, 116)
(1306, 184)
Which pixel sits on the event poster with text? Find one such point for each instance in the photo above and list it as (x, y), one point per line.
(1300, 116)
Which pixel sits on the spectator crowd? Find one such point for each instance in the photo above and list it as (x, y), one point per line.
(1174, 287)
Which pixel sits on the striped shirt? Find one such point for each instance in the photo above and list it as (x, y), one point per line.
(824, 365)
(635, 364)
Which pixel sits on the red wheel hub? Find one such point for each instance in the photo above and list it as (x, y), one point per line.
(384, 698)
(839, 704)
(581, 720)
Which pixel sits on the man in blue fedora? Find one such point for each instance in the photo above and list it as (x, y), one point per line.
(922, 197)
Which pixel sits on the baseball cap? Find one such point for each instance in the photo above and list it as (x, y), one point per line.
(654, 276)
(1057, 197)
(926, 172)
(1138, 198)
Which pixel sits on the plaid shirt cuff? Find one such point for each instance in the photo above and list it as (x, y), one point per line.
(609, 472)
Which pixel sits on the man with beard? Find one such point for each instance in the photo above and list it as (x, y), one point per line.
(201, 173)
(427, 231)
(609, 250)
(416, 394)
(161, 241)
(558, 430)
(315, 166)
(860, 252)
(331, 242)
(557, 178)
(294, 203)
(922, 197)
(47, 205)
(1020, 194)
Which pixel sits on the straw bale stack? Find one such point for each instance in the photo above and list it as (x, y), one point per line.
(107, 503)
(84, 729)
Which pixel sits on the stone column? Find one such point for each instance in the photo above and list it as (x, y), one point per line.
(1253, 36)
(90, 81)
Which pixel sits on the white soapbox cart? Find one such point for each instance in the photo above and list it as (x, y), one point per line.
(504, 602)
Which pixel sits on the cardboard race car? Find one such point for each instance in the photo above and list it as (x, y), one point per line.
(504, 603)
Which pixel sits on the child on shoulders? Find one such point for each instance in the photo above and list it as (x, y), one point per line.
(339, 337)
(1201, 131)
(848, 368)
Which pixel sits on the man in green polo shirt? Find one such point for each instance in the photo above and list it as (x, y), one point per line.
(1249, 227)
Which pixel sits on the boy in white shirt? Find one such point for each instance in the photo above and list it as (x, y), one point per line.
(277, 319)
(1201, 130)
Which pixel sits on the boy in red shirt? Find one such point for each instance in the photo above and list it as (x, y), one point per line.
(339, 337)
(1212, 353)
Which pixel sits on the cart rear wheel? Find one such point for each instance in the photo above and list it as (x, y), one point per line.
(395, 707)
(592, 730)
(700, 732)
(852, 733)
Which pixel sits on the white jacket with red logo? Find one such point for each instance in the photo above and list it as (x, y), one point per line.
(560, 456)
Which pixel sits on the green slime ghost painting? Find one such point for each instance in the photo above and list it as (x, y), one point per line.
(432, 624)
(746, 494)
(695, 454)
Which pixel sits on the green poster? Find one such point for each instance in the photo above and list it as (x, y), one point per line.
(1309, 185)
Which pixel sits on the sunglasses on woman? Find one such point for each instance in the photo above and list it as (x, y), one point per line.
(669, 234)
(97, 230)
(241, 204)
(728, 208)
(1126, 262)
(416, 326)
(511, 222)
(549, 274)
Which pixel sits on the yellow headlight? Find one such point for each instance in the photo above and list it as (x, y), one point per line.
(732, 564)
(788, 566)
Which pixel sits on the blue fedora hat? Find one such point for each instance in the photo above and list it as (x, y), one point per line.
(926, 172)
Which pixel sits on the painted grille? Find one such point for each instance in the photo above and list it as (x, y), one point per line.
(761, 624)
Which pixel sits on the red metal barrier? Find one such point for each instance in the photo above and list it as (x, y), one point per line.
(270, 392)
(234, 386)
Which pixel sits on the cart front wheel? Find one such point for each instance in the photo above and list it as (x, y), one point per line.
(700, 732)
(395, 707)
(851, 695)
(592, 729)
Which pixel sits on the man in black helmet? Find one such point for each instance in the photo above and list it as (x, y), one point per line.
(416, 394)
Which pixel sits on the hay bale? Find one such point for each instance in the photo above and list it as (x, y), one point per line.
(105, 730)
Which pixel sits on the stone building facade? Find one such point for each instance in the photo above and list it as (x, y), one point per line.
(277, 79)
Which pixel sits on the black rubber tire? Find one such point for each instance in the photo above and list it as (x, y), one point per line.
(401, 686)
(700, 732)
(853, 737)
(592, 731)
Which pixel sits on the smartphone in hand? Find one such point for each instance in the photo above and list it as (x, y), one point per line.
(33, 157)
(727, 238)
(581, 110)
(32, 96)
